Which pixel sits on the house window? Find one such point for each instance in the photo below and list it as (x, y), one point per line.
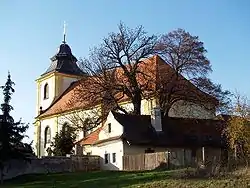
(114, 157)
(47, 136)
(46, 91)
(109, 127)
(106, 158)
(88, 153)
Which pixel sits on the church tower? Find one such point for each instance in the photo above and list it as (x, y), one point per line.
(62, 71)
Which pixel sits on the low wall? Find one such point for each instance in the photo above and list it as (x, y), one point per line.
(52, 165)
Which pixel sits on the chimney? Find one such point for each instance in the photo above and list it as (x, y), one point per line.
(156, 119)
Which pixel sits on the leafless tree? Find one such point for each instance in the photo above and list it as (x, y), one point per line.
(187, 78)
(113, 67)
(116, 71)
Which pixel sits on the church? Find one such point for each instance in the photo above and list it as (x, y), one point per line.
(115, 136)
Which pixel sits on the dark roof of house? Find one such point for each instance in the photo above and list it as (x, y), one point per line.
(178, 132)
(64, 62)
(193, 132)
(137, 128)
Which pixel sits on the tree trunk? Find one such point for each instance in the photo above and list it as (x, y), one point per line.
(166, 111)
(137, 104)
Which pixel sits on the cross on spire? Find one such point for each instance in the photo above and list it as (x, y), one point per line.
(64, 32)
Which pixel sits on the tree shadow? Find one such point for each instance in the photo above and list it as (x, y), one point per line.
(90, 179)
(107, 178)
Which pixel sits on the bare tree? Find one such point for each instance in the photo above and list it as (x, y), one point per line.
(116, 71)
(83, 121)
(114, 67)
(187, 77)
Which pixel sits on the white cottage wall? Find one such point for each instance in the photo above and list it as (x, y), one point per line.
(116, 128)
(110, 148)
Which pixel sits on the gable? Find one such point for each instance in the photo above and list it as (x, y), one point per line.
(111, 128)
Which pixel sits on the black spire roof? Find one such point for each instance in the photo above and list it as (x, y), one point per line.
(64, 62)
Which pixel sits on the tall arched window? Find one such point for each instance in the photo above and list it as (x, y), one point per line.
(47, 136)
(65, 127)
(46, 91)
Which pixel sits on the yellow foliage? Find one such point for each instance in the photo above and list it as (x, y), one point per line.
(238, 132)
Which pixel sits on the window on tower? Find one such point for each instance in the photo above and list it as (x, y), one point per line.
(46, 91)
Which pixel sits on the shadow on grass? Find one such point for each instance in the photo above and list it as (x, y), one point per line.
(89, 179)
(99, 179)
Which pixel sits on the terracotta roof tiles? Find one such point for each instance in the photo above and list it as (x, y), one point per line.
(91, 138)
(153, 72)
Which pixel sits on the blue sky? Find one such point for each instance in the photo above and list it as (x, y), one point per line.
(31, 31)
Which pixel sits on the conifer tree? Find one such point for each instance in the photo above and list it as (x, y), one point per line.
(11, 132)
(63, 142)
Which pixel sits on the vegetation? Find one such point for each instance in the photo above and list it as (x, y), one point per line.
(124, 50)
(63, 142)
(238, 129)
(186, 55)
(109, 179)
(114, 70)
(11, 132)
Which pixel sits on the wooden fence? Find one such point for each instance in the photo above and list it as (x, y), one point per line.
(147, 161)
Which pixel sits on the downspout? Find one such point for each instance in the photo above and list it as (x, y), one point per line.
(39, 136)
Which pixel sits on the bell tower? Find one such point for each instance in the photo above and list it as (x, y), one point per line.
(62, 71)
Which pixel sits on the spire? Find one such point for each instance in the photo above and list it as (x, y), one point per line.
(64, 32)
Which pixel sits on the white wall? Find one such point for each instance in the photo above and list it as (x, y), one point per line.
(179, 109)
(146, 106)
(190, 110)
(66, 83)
(56, 124)
(52, 123)
(45, 103)
(116, 128)
(110, 148)
(78, 117)
(62, 85)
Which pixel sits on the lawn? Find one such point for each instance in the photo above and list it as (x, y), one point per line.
(108, 179)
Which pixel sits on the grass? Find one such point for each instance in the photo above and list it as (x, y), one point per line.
(108, 179)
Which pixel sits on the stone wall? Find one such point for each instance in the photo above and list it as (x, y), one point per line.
(52, 165)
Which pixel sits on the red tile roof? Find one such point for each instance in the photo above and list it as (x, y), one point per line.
(91, 138)
(154, 72)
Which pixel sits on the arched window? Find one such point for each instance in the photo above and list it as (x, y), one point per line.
(46, 91)
(65, 127)
(47, 136)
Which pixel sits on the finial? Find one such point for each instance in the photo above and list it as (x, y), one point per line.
(64, 32)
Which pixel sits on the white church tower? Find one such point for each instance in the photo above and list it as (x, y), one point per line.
(62, 71)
